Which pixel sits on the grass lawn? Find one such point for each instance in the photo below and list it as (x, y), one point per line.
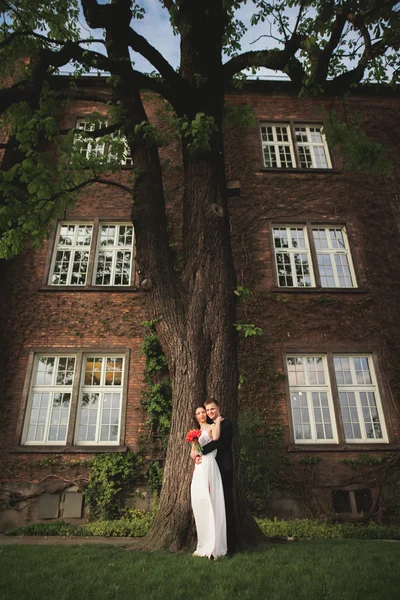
(309, 570)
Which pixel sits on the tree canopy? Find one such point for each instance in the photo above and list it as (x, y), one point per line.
(322, 46)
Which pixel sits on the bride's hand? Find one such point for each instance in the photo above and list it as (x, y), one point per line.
(219, 419)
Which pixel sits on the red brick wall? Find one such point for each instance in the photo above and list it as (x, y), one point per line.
(362, 321)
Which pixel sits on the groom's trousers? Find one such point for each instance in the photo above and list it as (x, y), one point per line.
(227, 484)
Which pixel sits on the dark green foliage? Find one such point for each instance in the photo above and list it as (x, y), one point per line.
(136, 524)
(111, 477)
(387, 472)
(248, 329)
(157, 399)
(310, 460)
(155, 476)
(260, 447)
(358, 152)
(47, 529)
(305, 528)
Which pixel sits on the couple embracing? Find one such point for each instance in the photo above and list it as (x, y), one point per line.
(212, 483)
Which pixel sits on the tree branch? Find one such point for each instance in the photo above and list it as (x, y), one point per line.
(324, 58)
(139, 44)
(169, 5)
(277, 60)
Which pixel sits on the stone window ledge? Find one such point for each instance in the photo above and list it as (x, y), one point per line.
(301, 171)
(65, 449)
(93, 288)
(343, 447)
(319, 290)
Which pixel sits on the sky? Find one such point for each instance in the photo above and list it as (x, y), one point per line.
(156, 28)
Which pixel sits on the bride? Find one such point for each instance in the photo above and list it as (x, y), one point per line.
(207, 494)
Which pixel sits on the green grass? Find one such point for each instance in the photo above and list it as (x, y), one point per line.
(309, 570)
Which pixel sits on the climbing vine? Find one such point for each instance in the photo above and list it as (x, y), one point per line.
(111, 478)
(157, 401)
(157, 398)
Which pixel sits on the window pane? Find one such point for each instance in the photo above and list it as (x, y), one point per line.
(88, 417)
(70, 265)
(93, 371)
(277, 146)
(114, 264)
(296, 371)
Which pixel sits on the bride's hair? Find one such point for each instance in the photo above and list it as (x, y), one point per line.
(195, 421)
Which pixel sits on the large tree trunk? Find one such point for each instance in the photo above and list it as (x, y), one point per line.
(202, 351)
(195, 313)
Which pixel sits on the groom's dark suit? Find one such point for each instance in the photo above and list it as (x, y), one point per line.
(224, 460)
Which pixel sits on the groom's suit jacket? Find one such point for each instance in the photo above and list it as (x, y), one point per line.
(223, 445)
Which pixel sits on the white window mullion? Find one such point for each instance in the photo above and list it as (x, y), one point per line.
(99, 417)
(113, 266)
(334, 269)
(293, 269)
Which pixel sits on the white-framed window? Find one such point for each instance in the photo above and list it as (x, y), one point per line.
(277, 146)
(312, 147)
(126, 158)
(313, 256)
(334, 259)
(294, 146)
(49, 402)
(292, 256)
(92, 147)
(100, 402)
(114, 254)
(112, 264)
(88, 146)
(74, 398)
(312, 399)
(360, 404)
(71, 256)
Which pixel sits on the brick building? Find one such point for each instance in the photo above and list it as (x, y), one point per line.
(319, 248)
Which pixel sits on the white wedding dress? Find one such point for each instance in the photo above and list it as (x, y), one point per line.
(208, 505)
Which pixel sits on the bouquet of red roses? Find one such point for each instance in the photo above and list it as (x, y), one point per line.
(193, 438)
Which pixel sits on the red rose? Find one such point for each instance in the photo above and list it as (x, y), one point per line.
(193, 436)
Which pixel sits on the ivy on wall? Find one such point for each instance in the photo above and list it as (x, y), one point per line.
(112, 476)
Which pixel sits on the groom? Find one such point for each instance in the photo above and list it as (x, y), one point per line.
(225, 464)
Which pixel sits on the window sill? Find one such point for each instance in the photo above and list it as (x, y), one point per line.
(65, 449)
(319, 290)
(356, 447)
(89, 288)
(301, 171)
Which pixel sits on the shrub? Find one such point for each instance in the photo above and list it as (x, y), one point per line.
(111, 477)
(45, 529)
(304, 528)
(135, 523)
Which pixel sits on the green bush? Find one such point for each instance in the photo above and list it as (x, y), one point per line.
(111, 477)
(259, 454)
(304, 528)
(124, 527)
(135, 523)
(45, 529)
